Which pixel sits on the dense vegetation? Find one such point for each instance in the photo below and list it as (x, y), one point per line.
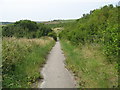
(28, 29)
(89, 66)
(100, 26)
(91, 46)
(24, 49)
(22, 59)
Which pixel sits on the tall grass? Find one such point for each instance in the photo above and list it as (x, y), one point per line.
(22, 60)
(90, 66)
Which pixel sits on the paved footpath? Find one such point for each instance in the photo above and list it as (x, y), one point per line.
(54, 72)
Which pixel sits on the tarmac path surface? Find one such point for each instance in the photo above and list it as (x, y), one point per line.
(54, 72)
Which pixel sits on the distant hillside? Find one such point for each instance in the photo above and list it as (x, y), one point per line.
(59, 21)
(5, 23)
(46, 22)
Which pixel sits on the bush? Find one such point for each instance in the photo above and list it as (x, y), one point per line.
(22, 59)
(100, 26)
(54, 35)
(26, 28)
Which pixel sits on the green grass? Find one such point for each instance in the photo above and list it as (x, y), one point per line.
(23, 59)
(0, 30)
(90, 66)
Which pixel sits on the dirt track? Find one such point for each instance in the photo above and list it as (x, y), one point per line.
(54, 72)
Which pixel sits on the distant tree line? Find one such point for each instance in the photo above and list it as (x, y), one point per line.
(5, 23)
(99, 26)
(28, 29)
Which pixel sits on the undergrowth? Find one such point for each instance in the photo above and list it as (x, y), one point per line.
(90, 66)
(22, 60)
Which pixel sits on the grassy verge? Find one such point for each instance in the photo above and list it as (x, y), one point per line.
(22, 59)
(90, 66)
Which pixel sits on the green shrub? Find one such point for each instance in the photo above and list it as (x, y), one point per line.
(22, 60)
(54, 35)
(26, 28)
(100, 26)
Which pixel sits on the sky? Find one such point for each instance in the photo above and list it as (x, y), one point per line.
(46, 10)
